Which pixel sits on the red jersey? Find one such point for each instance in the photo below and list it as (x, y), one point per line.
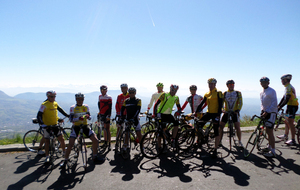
(104, 104)
(120, 100)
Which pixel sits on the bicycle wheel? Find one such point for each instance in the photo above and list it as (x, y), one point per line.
(147, 127)
(125, 146)
(251, 143)
(83, 152)
(101, 131)
(52, 148)
(260, 139)
(230, 128)
(297, 127)
(66, 133)
(185, 141)
(32, 139)
(149, 144)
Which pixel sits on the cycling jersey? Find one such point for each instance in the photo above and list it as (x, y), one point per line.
(194, 101)
(48, 114)
(104, 105)
(76, 112)
(214, 101)
(289, 97)
(154, 97)
(120, 100)
(233, 100)
(268, 99)
(166, 103)
(132, 107)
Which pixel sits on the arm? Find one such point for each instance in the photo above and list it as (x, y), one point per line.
(199, 108)
(184, 105)
(220, 102)
(240, 102)
(118, 110)
(155, 106)
(284, 101)
(62, 111)
(151, 102)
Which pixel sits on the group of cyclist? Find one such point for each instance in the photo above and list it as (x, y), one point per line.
(128, 107)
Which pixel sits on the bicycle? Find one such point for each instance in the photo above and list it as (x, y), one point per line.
(154, 142)
(297, 128)
(100, 132)
(81, 146)
(231, 130)
(186, 140)
(126, 139)
(280, 118)
(149, 125)
(257, 137)
(33, 138)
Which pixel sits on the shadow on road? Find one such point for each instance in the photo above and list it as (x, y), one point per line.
(127, 167)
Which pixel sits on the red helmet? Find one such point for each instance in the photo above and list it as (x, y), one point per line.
(174, 87)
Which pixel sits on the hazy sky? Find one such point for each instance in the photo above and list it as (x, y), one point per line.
(79, 45)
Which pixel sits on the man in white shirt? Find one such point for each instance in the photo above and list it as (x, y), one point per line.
(269, 109)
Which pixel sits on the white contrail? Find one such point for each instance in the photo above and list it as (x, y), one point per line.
(150, 15)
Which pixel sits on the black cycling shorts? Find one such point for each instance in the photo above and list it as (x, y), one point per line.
(291, 111)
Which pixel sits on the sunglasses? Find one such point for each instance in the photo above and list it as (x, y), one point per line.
(52, 96)
(131, 92)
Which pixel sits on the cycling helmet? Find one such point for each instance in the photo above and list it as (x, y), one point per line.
(193, 86)
(212, 80)
(264, 79)
(131, 89)
(51, 93)
(230, 82)
(174, 87)
(124, 85)
(103, 87)
(160, 84)
(79, 95)
(286, 76)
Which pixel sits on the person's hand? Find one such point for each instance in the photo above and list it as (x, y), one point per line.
(87, 116)
(81, 118)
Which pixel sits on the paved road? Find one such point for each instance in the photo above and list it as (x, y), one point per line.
(24, 170)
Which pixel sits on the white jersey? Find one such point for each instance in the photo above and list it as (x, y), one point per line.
(154, 98)
(268, 99)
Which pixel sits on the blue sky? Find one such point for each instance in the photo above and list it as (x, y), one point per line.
(79, 45)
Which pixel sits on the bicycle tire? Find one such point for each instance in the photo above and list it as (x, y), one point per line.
(100, 132)
(52, 148)
(297, 127)
(83, 150)
(125, 153)
(279, 120)
(31, 139)
(251, 143)
(230, 128)
(147, 127)
(185, 142)
(261, 137)
(149, 144)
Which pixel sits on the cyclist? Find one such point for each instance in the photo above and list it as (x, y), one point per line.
(214, 101)
(104, 105)
(268, 99)
(48, 116)
(163, 109)
(132, 105)
(194, 101)
(156, 95)
(79, 114)
(119, 103)
(291, 100)
(233, 102)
